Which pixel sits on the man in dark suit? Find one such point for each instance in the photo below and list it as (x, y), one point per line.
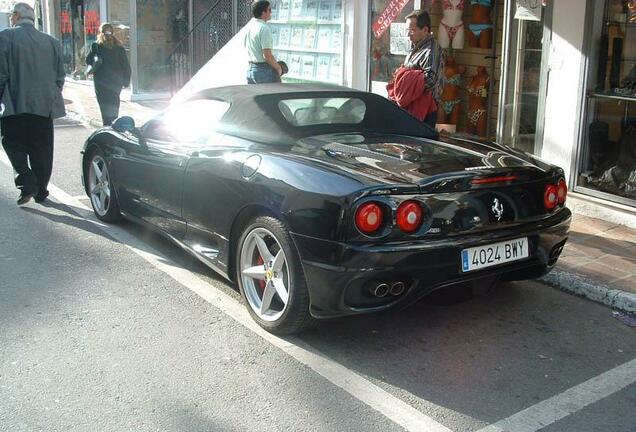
(31, 81)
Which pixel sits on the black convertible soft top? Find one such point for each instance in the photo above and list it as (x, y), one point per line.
(254, 113)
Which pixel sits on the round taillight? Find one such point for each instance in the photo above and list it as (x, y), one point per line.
(409, 216)
(550, 197)
(562, 191)
(369, 217)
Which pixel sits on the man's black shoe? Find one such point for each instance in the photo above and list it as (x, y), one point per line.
(41, 197)
(24, 198)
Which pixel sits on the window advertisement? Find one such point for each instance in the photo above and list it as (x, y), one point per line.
(308, 37)
(66, 35)
(91, 22)
(607, 162)
(389, 40)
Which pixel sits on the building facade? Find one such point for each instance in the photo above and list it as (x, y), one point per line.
(544, 76)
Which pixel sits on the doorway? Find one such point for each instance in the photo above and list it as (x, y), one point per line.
(522, 103)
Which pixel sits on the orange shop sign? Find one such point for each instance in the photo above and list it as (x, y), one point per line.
(392, 10)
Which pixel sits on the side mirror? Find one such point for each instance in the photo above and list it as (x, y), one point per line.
(124, 124)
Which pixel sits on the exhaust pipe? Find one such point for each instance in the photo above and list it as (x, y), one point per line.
(380, 290)
(397, 288)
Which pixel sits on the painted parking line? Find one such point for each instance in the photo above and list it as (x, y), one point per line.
(570, 401)
(357, 386)
(531, 419)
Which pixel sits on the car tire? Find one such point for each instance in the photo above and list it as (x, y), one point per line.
(100, 188)
(271, 278)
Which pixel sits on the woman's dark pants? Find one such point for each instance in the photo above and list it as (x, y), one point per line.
(108, 100)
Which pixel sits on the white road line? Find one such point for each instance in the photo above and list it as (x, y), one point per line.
(570, 401)
(362, 389)
(531, 419)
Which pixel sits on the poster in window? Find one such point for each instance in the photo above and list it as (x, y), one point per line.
(295, 65)
(275, 35)
(311, 10)
(284, 36)
(308, 66)
(336, 11)
(336, 39)
(324, 11)
(282, 56)
(274, 6)
(322, 67)
(297, 10)
(309, 38)
(400, 44)
(283, 10)
(324, 38)
(335, 70)
(296, 37)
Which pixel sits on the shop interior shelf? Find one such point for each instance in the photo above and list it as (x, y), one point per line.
(612, 95)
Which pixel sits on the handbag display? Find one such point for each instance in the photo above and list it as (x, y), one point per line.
(91, 68)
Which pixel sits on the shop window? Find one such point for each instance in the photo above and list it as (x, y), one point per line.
(468, 33)
(308, 36)
(388, 46)
(608, 156)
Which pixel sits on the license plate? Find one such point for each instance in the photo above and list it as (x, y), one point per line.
(480, 257)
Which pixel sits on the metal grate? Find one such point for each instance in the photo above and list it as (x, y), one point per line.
(244, 12)
(207, 37)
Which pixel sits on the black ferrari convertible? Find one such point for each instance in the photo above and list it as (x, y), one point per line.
(321, 201)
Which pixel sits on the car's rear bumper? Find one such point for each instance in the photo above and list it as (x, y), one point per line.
(339, 275)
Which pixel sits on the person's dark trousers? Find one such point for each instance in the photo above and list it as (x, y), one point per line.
(28, 141)
(108, 100)
(431, 119)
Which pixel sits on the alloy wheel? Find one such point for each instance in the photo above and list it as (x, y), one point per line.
(265, 274)
(99, 185)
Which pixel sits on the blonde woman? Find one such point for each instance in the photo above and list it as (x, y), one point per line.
(111, 71)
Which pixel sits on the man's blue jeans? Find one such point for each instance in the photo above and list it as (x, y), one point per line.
(261, 73)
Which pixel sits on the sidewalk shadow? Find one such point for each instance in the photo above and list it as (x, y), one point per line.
(170, 253)
(71, 219)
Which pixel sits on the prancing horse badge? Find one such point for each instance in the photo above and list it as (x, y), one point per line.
(497, 209)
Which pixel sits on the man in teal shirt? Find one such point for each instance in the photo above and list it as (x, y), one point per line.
(258, 43)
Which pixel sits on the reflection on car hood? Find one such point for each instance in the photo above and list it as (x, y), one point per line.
(402, 159)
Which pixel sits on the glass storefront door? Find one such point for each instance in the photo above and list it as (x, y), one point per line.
(525, 81)
(607, 156)
(388, 50)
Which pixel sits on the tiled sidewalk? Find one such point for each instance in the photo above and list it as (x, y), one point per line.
(601, 251)
(598, 262)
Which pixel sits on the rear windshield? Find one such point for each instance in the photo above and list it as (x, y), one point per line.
(320, 111)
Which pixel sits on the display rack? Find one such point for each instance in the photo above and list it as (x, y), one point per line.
(308, 36)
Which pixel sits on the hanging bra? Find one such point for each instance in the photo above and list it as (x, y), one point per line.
(455, 80)
(486, 3)
(448, 5)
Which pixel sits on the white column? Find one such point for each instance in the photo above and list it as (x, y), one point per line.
(565, 83)
(103, 11)
(48, 18)
(357, 44)
(134, 81)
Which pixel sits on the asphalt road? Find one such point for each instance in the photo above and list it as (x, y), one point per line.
(112, 328)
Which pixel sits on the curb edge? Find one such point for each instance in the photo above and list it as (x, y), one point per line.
(593, 290)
